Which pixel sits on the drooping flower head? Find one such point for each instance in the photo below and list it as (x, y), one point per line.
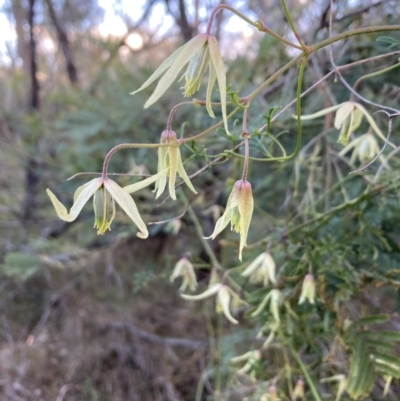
(261, 270)
(184, 268)
(274, 298)
(170, 162)
(365, 148)
(199, 53)
(238, 212)
(308, 290)
(226, 298)
(106, 192)
(250, 359)
(347, 119)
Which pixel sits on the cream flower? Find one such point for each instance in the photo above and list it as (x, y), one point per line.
(308, 290)
(184, 269)
(106, 192)
(347, 119)
(200, 53)
(261, 270)
(365, 148)
(274, 297)
(250, 360)
(238, 212)
(224, 297)
(170, 161)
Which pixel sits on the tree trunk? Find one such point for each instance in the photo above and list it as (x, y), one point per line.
(31, 174)
(64, 42)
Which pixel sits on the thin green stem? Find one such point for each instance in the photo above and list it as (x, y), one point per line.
(226, 7)
(298, 110)
(245, 135)
(354, 32)
(246, 158)
(126, 146)
(288, 368)
(172, 112)
(307, 376)
(200, 233)
(257, 24)
(263, 28)
(375, 74)
(293, 28)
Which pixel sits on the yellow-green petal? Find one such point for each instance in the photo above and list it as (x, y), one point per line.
(318, 113)
(344, 112)
(224, 299)
(187, 52)
(162, 166)
(127, 204)
(174, 157)
(373, 124)
(216, 60)
(253, 266)
(161, 69)
(211, 82)
(84, 194)
(146, 182)
(246, 207)
(207, 293)
(345, 131)
(183, 174)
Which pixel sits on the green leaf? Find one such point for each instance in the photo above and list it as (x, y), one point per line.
(380, 345)
(387, 369)
(21, 265)
(374, 319)
(386, 335)
(387, 39)
(388, 359)
(361, 374)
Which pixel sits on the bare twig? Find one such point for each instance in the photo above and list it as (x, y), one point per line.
(150, 337)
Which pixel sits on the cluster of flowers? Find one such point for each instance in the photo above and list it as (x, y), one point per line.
(262, 270)
(200, 53)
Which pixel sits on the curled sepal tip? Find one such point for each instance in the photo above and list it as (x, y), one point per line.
(106, 192)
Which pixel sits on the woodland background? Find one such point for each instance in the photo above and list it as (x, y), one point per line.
(92, 318)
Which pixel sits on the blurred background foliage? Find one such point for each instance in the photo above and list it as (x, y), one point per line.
(93, 318)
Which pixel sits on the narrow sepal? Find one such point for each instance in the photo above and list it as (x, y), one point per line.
(186, 53)
(84, 194)
(127, 204)
(218, 64)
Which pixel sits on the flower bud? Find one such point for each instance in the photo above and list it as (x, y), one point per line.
(308, 290)
(170, 162)
(262, 269)
(274, 297)
(298, 392)
(184, 268)
(238, 212)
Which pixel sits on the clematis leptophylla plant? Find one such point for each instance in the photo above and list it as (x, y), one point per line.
(347, 119)
(105, 193)
(200, 53)
(261, 270)
(225, 299)
(238, 212)
(170, 162)
(184, 268)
